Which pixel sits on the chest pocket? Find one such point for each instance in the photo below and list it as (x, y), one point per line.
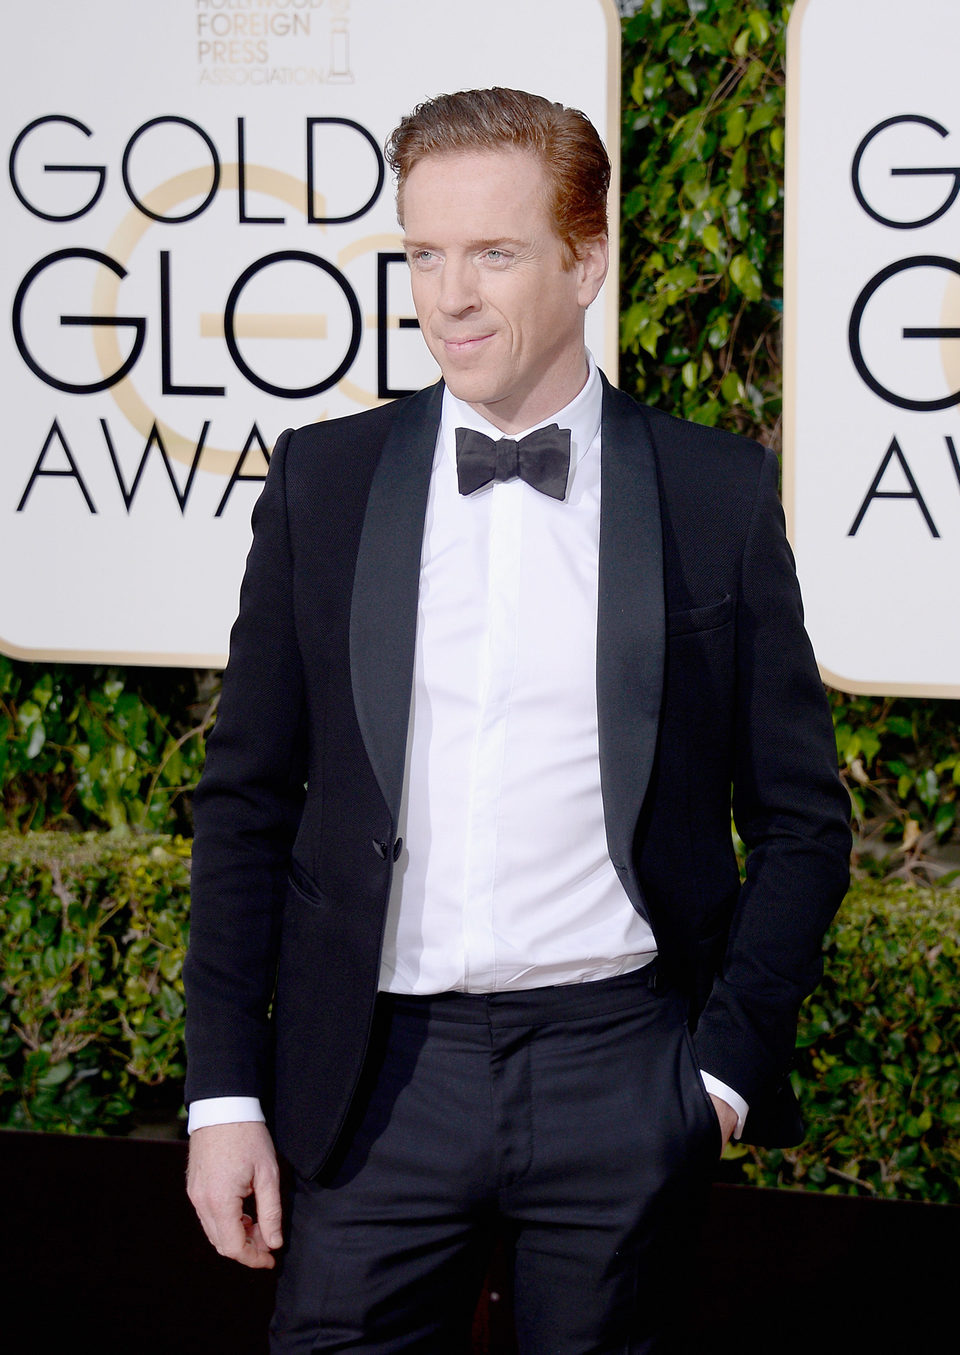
(699, 619)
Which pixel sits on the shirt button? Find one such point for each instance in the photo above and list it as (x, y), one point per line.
(380, 848)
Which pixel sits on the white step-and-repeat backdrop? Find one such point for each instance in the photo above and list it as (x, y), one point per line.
(872, 309)
(200, 249)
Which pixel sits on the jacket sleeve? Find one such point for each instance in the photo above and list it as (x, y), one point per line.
(791, 811)
(246, 813)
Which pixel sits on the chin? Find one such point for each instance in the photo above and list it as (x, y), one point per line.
(472, 392)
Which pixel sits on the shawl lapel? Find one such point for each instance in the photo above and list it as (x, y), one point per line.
(383, 615)
(630, 625)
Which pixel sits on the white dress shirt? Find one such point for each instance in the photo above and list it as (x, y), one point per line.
(504, 880)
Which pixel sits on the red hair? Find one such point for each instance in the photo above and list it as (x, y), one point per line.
(564, 140)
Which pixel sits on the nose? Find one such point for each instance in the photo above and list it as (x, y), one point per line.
(458, 287)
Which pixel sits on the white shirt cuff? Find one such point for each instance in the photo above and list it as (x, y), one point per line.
(717, 1088)
(223, 1110)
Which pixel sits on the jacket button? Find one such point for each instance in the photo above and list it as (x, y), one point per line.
(380, 848)
(397, 847)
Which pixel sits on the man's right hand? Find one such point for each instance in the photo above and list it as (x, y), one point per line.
(229, 1163)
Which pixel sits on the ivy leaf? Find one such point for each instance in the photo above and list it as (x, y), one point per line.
(712, 239)
(687, 82)
(636, 85)
(762, 116)
(759, 26)
(55, 1074)
(732, 389)
(735, 124)
(744, 275)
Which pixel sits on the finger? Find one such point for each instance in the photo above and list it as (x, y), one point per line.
(223, 1224)
(266, 1190)
(256, 1253)
(726, 1116)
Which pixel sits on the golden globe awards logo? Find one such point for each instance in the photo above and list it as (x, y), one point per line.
(872, 433)
(72, 189)
(201, 249)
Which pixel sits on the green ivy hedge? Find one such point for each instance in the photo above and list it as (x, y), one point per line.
(91, 1009)
(878, 1071)
(91, 1016)
(91, 747)
(702, 163)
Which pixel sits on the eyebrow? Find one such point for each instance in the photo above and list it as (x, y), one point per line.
(497, 243)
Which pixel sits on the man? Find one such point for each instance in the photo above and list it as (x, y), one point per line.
(485, 704)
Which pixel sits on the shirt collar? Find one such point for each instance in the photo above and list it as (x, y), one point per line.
(581, 416)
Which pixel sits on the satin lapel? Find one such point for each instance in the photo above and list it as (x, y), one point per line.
(630, 624)
(383, 616)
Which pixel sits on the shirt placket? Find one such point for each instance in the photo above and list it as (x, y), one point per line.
(497, 671)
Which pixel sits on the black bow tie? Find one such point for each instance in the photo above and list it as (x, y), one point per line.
(541, 459)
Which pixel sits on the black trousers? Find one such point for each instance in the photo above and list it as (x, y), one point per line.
(574, 1116)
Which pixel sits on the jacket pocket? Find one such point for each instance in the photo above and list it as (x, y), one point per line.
(699, 619)
(303, 887)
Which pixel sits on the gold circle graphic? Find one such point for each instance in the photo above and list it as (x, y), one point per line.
(274, 183)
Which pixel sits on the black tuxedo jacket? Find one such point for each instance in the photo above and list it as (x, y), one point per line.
(706, 683)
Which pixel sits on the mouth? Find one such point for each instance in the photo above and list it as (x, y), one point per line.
(468, 345)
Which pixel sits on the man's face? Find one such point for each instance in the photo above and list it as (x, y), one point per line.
(501, 315)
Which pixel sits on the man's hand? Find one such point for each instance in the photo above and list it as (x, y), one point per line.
(727, 1117)
(228, 1163)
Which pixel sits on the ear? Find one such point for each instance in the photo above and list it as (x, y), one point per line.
(591, 269)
